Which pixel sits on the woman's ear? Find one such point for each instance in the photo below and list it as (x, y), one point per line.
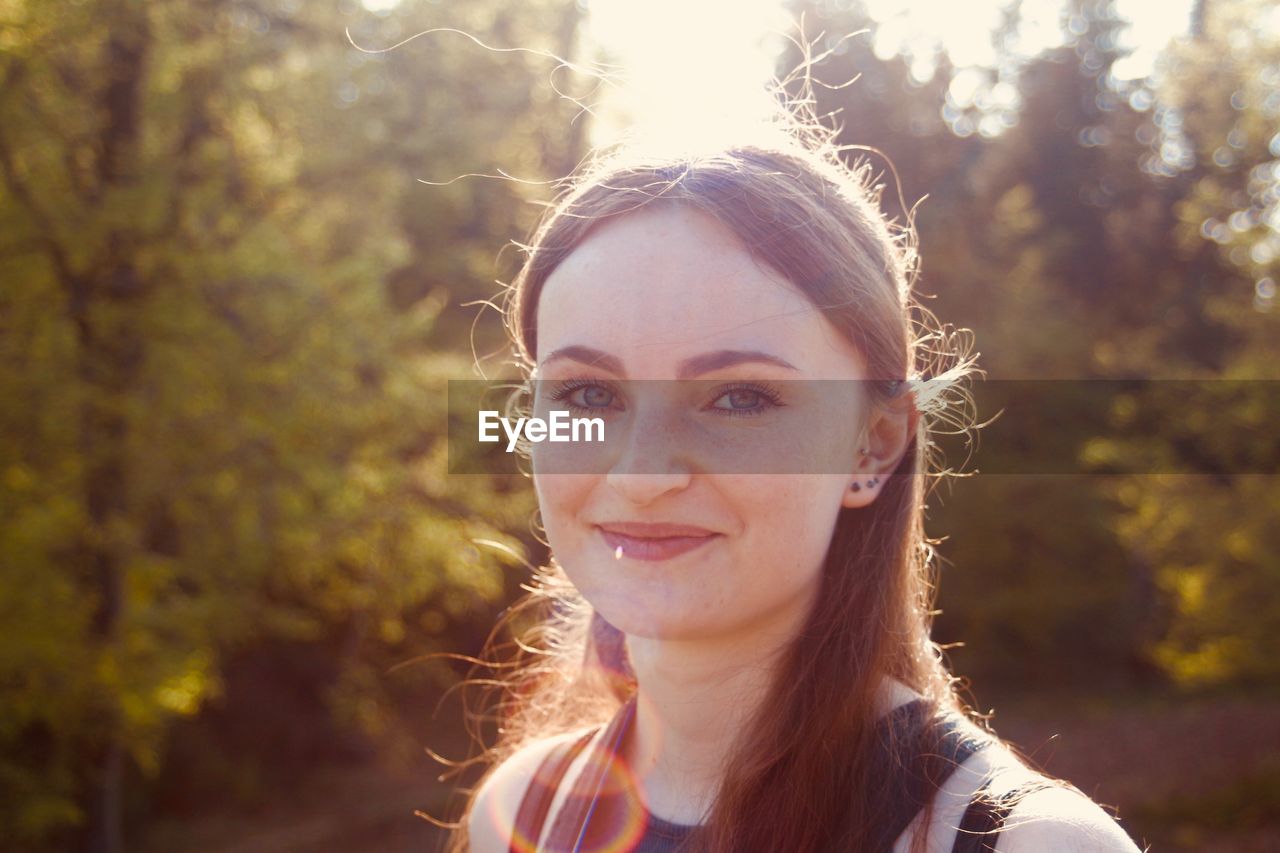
(890, 429)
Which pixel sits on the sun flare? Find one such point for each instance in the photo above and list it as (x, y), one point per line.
(693, 71)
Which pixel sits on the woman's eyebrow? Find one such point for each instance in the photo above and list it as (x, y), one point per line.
(687, 369)
(588, 356)
(721, 359)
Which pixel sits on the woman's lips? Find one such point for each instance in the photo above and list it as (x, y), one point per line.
(654, 547)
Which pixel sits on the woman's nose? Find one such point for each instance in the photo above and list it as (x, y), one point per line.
(652, 461)
(643, 489)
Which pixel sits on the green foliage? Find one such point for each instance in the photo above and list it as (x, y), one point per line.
(1210, 541)
(229, 312)
(1087, 227)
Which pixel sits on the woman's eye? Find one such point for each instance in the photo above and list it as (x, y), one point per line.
(591, 397)
(741, 399)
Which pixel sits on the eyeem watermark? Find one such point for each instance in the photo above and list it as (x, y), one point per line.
(810, 426)
(559, 426)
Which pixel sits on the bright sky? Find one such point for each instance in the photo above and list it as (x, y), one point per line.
(697, 69)
(699, 66)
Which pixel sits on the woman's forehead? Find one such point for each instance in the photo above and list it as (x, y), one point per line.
(660, 285)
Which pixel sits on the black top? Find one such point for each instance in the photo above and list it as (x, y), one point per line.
(602, 811)
(661, 836)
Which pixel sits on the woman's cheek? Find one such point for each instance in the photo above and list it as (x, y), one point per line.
(794, 518)
(559, 493)
(562, 498)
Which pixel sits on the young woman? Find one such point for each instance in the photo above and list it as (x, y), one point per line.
(731, 650)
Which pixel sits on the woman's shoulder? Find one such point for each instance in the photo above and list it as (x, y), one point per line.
(492, 819)
(1061, 819)
(1041, 814)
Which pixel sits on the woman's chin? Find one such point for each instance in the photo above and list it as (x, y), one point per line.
(650, 618)
(637, 620)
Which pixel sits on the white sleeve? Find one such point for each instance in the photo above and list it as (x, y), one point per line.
(1051, 819)
(1061, 820)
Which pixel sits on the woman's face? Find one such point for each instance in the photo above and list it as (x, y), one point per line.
(668, 293)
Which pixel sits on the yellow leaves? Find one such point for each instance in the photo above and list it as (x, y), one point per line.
(1211, 546)
(1188, 587)
(273, 483)
(1241, 546)
(1100, 453)
(1190, 660)
(10, 39)
(19, 478)
(183, 693)
(1123, 409)
(1158, 513)
(276, 156)
(1212, 661)
(392, 631)
(148, 685)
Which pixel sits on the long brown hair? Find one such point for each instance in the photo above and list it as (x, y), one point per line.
(802, 771)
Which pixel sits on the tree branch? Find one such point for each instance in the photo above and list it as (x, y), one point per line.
(48, 234)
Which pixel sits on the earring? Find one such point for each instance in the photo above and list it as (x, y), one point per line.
(871, 484)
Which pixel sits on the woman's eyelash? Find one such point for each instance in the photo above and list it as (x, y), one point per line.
(770, 396)
(562, 391)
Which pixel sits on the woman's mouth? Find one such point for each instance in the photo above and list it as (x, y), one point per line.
(653, 541)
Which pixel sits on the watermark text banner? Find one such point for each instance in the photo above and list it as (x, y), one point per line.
(1057, 426)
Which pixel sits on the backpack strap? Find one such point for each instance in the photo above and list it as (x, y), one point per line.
(596, 790)
(538, 797)
(984, 819)
(575, 811)
(981, 823)
(916, 754)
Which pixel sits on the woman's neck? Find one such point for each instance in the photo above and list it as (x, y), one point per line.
(694, 700)
(695, 697)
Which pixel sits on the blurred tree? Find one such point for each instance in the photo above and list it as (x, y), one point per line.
(1012, 248)
(228, 315)
(1062, 225)
(1210, 541)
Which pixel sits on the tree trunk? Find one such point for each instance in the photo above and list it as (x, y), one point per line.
(104, 303)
